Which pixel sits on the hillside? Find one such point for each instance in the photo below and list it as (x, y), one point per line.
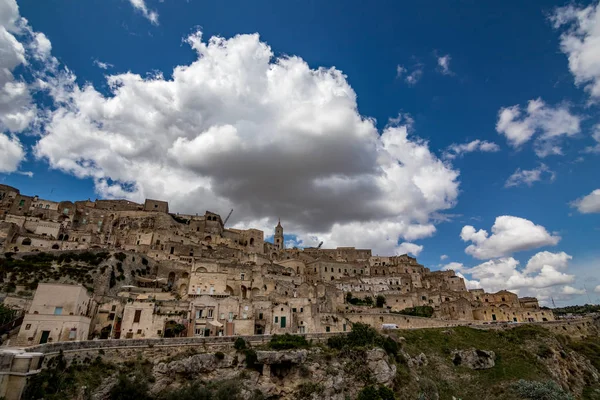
(525, 362)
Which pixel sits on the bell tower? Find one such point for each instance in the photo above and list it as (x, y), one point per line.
(278, 238)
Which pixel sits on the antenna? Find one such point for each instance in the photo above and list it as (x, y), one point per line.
(319, 246)
(228, 215)
(588, 294)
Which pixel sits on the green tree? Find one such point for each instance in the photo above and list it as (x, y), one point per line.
(380, 301)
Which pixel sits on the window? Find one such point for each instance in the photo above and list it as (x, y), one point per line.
(73, 333)
(242, 276)
(21, 203)
(58, 310)
(113, 308)
(139, 331)
(47, 206)
(327, 329)
(198, 314)
(293, 309)
(137, 316)
(245, 315)
(276, 319)
(210, 313)
(260, 316)
(222, 316)
(301, 309)
(230, 316)
(27, 327)
(344, 327)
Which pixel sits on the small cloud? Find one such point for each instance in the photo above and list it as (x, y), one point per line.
(410, 78)
(528, 177)
(26, 173)
(588, 204)
(444, 64)
(400, 70)
(102, 65)
(456, 150)
(443, 257)
(403, 119)
(140, 5)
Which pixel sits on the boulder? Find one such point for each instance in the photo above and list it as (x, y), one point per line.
(474, 358)
(280, 357)
(382, 370)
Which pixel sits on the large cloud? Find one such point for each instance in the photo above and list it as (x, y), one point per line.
(551, 123)
(11, 153)
(588, 204)
(269, 137)
(16, 109)
(509, 235)
(503, 273)
(544, 271)
(581, 43)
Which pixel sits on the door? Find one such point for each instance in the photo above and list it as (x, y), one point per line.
(283, 322)
(493, 317)
(45, 336)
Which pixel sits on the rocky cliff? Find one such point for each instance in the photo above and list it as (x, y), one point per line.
(526, 362)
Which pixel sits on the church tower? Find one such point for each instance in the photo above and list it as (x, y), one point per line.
(278, 239)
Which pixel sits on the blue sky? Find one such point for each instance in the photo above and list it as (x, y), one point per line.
(364, 158)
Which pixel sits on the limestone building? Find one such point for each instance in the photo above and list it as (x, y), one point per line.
(201, 278)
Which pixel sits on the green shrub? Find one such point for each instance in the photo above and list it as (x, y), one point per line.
(534, 390)
(120, 256)
(380, 301)
(239, 344)
(373, 393)
(306, 390)
(287, 341)
(127, 389)
(419, 311)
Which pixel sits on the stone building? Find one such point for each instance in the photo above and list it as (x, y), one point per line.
(57, 313)
(224, 281)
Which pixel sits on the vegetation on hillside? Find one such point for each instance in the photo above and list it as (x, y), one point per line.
(419, 311)
(423, 359)
(44, 267)
(577, 310)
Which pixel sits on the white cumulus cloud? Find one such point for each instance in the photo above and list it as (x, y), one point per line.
(503, 273)
(509, 235)
(456, 150)
(570, 290)
(529, 176)
(11, 153)
(550, 123)
(268, 136)
(556, 260)
(580, 41)
(588, 204)
(140, 5)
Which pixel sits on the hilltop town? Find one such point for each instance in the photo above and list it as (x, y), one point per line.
(118, 269)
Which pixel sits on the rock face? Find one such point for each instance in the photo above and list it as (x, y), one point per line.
(474, 358)
(279, 357)
(383, 372)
